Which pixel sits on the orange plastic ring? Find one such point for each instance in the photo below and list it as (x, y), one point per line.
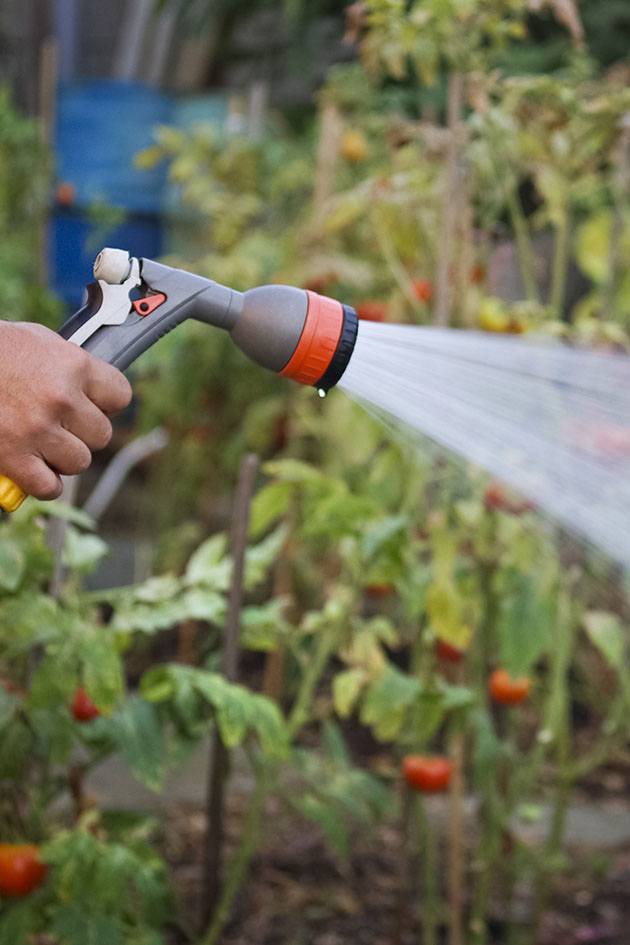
(318, 342)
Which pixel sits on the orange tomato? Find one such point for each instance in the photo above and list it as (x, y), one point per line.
(506, 690)
(21, 870)
(422, 289)
(430, 775)
(477, 274)
(372, 310)
(379, 590)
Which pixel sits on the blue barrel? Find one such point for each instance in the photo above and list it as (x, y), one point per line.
(101, 126)
(73, 247)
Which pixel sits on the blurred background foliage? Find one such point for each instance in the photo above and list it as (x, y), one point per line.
(463, 164)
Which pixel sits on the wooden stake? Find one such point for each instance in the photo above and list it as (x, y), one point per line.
(219, 757)
(331, 127)
(443, 294)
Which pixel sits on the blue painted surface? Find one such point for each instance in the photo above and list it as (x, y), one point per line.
(101, 126)
(72, 249)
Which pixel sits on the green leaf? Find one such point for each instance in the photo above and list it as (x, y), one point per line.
(156, 590)
(157, 684)
(102, 670)
(136, 731)
(263, 628)
(334, 745)
(270, 503)
(331, 821)
(346, 690)
(387, 701)
(269, 725)
(27, 620)
(58, 509)
(378, 535)
(83, 552)
(199, 603)
(606, 633)
(12, 564)
(444, 607)
(294, 471)
(209, 565)
(526, 622)
(73, 924)
(260, 557)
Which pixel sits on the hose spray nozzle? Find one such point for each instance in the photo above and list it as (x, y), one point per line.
(134, 302)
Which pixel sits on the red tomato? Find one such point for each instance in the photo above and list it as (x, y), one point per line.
(505, 690)
(83, 709)
(320, 283)
(66, 194)
(422, 289)
(429, 775)
(449, 653)
(477, 274)
(12, 688)
(379, 590)
(496, 497)
(21, 870)
(372, 311)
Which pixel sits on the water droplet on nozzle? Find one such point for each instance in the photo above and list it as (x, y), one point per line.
(321, 392)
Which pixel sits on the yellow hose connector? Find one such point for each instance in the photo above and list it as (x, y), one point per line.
(11, 496)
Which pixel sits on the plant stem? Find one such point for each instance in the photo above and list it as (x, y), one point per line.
(396, 268)
(456, 846)
(559, 723)
(326, 644)
(489, 813)
(560, 265)
(240, 861)
(430, 899)
(524, 248)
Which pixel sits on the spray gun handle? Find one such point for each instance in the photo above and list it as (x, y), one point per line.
(117, 328)
(135, 302)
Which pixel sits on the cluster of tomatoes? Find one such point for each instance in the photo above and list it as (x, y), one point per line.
(432, 774)
(21, 868)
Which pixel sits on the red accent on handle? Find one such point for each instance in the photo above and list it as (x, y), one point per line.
(148, 304)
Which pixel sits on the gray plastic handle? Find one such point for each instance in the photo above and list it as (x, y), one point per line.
(188, 296)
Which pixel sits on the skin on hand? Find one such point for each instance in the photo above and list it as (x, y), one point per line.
(56, 403)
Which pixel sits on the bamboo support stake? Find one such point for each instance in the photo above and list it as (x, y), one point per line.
(219, 757)
(331, 127)
(456, 842)
(443, 294)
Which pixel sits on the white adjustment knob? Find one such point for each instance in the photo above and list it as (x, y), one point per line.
(112, 266)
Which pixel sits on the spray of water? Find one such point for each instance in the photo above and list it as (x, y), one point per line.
(552, 421)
